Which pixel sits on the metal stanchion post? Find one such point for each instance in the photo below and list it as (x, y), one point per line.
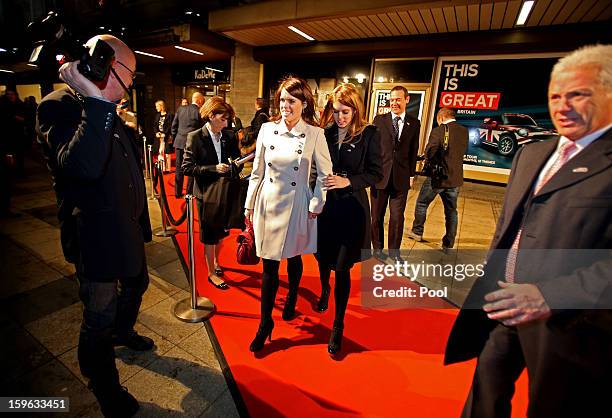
(194, 308)
(153, 196)
(166, 231)
(145, 156)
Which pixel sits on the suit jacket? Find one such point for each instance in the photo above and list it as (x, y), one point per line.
(96, 179)
(570, 213)
(398, 157)
(453, 158)
(200, 158)
(187, 119)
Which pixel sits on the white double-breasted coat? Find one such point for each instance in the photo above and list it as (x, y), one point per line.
(279, 192)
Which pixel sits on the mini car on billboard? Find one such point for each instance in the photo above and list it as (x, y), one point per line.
(508, 132)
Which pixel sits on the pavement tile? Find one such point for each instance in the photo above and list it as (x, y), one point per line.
(59, 331)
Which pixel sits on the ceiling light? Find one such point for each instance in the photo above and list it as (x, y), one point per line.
(360, 78)
(149, 55)
(193, 51)
(299, 32)
(6, 71)
(188, 12)
(2, 50)
(524, 14)
(32, 65)
(213, 69)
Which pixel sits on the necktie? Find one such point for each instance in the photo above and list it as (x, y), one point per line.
(396, 127)
(563, 154)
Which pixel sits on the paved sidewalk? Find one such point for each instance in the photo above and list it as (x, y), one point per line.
(40, 316)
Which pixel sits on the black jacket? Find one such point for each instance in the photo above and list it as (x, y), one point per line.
(344, 224)
(187, 119)
(453, 157)
(200, 158)
(401, 157)
(97, 176)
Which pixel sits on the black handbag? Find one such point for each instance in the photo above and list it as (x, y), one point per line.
(436, 167)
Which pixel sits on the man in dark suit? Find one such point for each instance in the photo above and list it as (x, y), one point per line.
(399, 137)
(262, 115)
(103, 215)
(552, 313)
(187, 119)
(449, 141)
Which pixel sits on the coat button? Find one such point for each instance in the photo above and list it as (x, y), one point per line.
(303, 136)
(271, 181)
(299, 151)
(269, 164)
(125, 154)
(293, 183)
(295, 168)
(275, 132)
(130, 185)
(271, 146)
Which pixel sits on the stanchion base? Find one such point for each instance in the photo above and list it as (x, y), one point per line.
(169, 232)
(204, 310)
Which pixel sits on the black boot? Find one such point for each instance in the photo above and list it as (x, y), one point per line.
(323, 303)
(289, 308)
(264, 331)
(335, 341)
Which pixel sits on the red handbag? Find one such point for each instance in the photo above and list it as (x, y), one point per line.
(245, 253)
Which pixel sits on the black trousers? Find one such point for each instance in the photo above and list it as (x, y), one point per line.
(111, 308)
(396, 200)
(569, 369)
(178, 175)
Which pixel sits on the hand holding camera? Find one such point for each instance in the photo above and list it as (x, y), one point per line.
(70, 74)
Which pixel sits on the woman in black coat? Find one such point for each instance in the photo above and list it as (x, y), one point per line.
(344, 225)
(207, 152)
(163, 137)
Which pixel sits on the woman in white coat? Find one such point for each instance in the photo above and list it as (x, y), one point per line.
(280, 201)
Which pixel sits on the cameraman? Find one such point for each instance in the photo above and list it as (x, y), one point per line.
(448, 189)
(103, 215)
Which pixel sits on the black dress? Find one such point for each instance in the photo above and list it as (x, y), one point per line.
(213, 191)
(163, 124)
(344, 225)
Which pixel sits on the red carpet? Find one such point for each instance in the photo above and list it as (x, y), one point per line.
(392, 364)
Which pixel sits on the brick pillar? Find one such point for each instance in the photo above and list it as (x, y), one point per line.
(245, 82)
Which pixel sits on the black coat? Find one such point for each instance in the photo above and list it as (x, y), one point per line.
(344, 225)
(401, 157)
(187, 119)
(453, 157)
(220, 197)
(97, 176)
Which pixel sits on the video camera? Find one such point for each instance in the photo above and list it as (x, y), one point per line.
(53, 43)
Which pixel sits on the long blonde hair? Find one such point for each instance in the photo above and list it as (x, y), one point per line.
(348, 95)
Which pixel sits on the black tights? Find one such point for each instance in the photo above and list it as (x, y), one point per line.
(342, 290)
(269, 285)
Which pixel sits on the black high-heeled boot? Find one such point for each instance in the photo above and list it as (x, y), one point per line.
(323, 302)
(335, 340)
(289, 308)
(264, 331)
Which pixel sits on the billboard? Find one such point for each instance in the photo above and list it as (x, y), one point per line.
(501, 100)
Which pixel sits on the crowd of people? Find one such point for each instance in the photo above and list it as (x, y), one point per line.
(307, 194)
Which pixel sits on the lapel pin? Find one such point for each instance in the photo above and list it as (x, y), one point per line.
(580, 170)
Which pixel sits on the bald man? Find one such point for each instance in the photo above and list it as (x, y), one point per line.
(187, 119)
(103, 215)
